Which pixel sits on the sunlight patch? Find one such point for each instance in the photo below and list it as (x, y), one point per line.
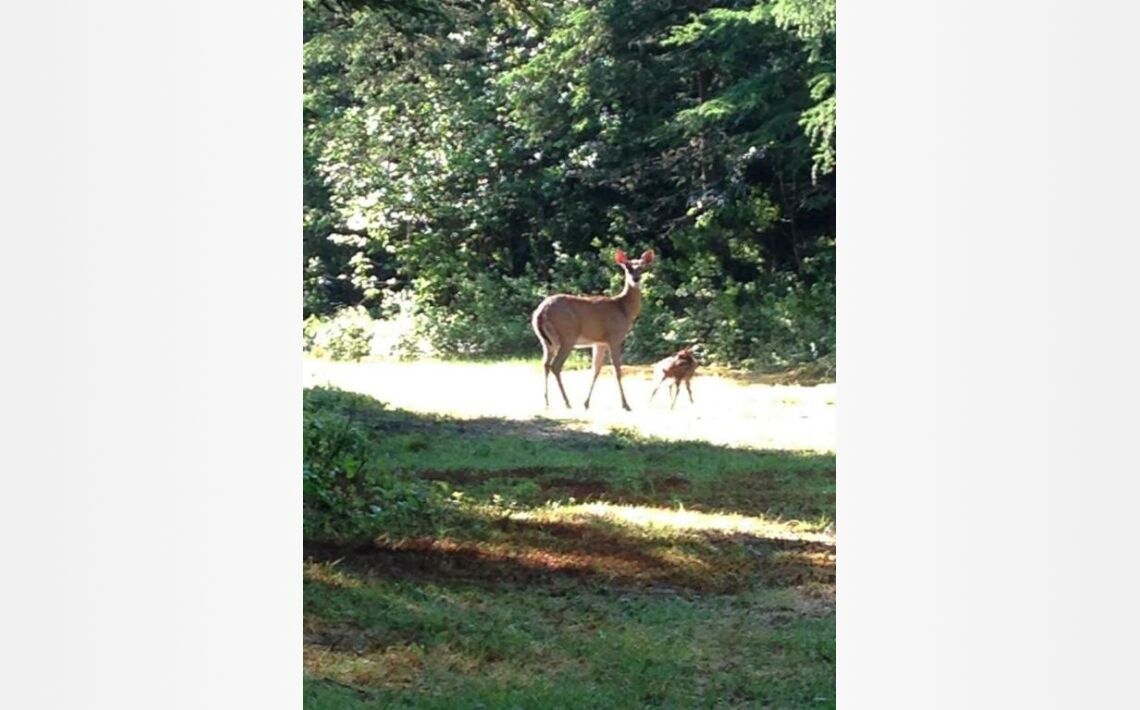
(674, 520)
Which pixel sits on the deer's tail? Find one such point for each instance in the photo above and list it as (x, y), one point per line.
(538, 320)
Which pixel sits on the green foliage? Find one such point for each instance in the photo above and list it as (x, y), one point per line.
(509, 647)
(518, 600)
(347, 335)
(479, 159)
(819, 123)
(351, 487)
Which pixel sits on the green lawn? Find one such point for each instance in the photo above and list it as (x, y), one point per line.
(576, 569)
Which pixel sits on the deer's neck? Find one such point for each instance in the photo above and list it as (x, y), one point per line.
(630, 300)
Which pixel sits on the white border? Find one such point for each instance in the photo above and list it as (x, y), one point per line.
(150, 509)
(989, 346)
(150, 512)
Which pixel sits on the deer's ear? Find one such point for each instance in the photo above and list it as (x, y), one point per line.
(620, 257)
(647, 257)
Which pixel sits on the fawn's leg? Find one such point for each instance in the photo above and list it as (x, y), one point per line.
(689, 389)
(659, 383)
(676, 391)
(599, 360)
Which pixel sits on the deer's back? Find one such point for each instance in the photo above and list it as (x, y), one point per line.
(585, 319)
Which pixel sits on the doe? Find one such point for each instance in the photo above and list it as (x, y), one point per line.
(564, 322)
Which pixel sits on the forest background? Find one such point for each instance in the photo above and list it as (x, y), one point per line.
(462, 160)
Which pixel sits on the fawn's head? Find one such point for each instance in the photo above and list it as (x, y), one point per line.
(633, 267)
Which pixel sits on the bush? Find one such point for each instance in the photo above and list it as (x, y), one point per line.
(485, 315)
(349, 491)
(345, 336)
(779, 322)
(755, 321)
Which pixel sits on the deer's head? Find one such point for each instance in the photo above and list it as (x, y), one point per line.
(633, 267)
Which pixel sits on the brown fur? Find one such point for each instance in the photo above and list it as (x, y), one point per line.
(680, 368)
(564, 322)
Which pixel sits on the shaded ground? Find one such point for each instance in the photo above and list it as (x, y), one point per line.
(584, 565)
(551, 553)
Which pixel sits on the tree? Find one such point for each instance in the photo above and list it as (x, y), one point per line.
(481, 159)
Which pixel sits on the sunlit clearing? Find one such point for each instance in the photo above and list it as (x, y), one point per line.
(725, 412)
(673, 520)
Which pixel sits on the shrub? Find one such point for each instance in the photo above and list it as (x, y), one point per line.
(349, 491)
(767, 320)
(347, 335)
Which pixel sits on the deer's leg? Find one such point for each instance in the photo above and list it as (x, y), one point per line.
(615, 356)
(599, 360)
(548, 354)
(689, 389)
(556, 367)
(659, 383)
(676, 391)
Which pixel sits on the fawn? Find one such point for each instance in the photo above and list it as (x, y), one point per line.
(679, 368)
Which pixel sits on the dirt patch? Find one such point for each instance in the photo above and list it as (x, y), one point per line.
(665, 484)
(793, 563)
(593, 540)
(533, 554)
(469, 477)
(579, 489)
(541, 553)
(365, 671)
(348, 638)
(762, 492)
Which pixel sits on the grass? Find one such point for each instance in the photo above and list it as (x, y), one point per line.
(409, 644)
(578, 569)
(728, 411)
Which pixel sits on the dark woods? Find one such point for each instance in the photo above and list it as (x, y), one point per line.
(465, 160)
